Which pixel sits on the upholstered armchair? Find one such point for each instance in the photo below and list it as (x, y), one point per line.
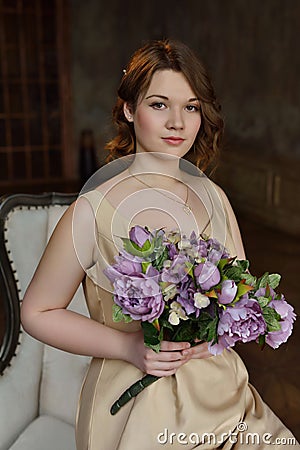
(39, 385)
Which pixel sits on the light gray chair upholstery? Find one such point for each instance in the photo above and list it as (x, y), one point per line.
(39, 385)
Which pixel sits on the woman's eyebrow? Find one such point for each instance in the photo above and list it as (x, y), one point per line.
(193, 99)
(157, 95)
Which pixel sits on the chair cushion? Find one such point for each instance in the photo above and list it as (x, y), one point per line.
(46, 380)
(26, 236)
(62, 376)
(46, 433)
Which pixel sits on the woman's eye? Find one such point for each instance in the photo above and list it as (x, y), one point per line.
(158, 105)
(192, 108)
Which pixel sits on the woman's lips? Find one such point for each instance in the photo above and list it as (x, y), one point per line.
(173, 140)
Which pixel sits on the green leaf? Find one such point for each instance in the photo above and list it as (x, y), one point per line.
(166, 324)
(184, 332)
(243, 264)
(149, 330)
(207, 327)
(155, 347)
(274, 280)
(152, 337)
(242, 289)
(118, 315)
(189, 269)
(146, 246)
(222, 263)
(212, 330)
(261, 340)
(263, 301)
(233, 273)
(263, 281)
(145, 265)
(160, 259)
(132, 248)
(249, 279)
(272, 319)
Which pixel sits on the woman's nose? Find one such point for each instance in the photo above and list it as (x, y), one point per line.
(175, 120)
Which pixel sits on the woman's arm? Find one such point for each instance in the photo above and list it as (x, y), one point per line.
(59, 273)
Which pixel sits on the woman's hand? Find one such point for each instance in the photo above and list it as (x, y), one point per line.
(199, 351)
(168, 360)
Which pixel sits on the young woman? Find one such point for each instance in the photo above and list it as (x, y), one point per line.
(166, 114)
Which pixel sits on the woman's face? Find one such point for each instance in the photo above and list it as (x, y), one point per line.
(167, 117)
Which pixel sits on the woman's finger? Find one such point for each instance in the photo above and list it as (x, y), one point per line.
(170, 346)
(151, 355)
(163, 368)
(198, 351)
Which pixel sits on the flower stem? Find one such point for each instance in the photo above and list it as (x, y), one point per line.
(132, 391)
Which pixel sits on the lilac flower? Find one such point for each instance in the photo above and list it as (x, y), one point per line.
(126, 264)
(193, 238)
(202, 248)
(186, 296)
(139, 297)
(177, 271)
(172, 250)
(286, 311)
(242, 322)
(139, 235)
(216, 251)
(199, 246)
(228, 292)
(207, 275)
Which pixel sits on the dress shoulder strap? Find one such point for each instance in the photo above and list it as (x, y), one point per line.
(94, 198)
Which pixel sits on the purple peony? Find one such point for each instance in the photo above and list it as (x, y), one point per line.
(286, 311)
(139, 235)
(207, 275)
(228, 292)
(242, 322)
(139, 297)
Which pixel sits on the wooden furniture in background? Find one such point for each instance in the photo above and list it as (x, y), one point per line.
(267, 191)
(35, 135)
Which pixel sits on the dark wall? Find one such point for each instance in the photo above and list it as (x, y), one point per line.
(250, 49)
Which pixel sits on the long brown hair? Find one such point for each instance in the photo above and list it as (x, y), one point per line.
(168, 55)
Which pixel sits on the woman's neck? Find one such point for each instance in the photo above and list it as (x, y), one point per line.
(157, 165)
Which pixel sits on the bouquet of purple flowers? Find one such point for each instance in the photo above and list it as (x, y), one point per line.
(190, 289)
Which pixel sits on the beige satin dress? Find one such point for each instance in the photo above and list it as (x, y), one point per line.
(207, 404)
